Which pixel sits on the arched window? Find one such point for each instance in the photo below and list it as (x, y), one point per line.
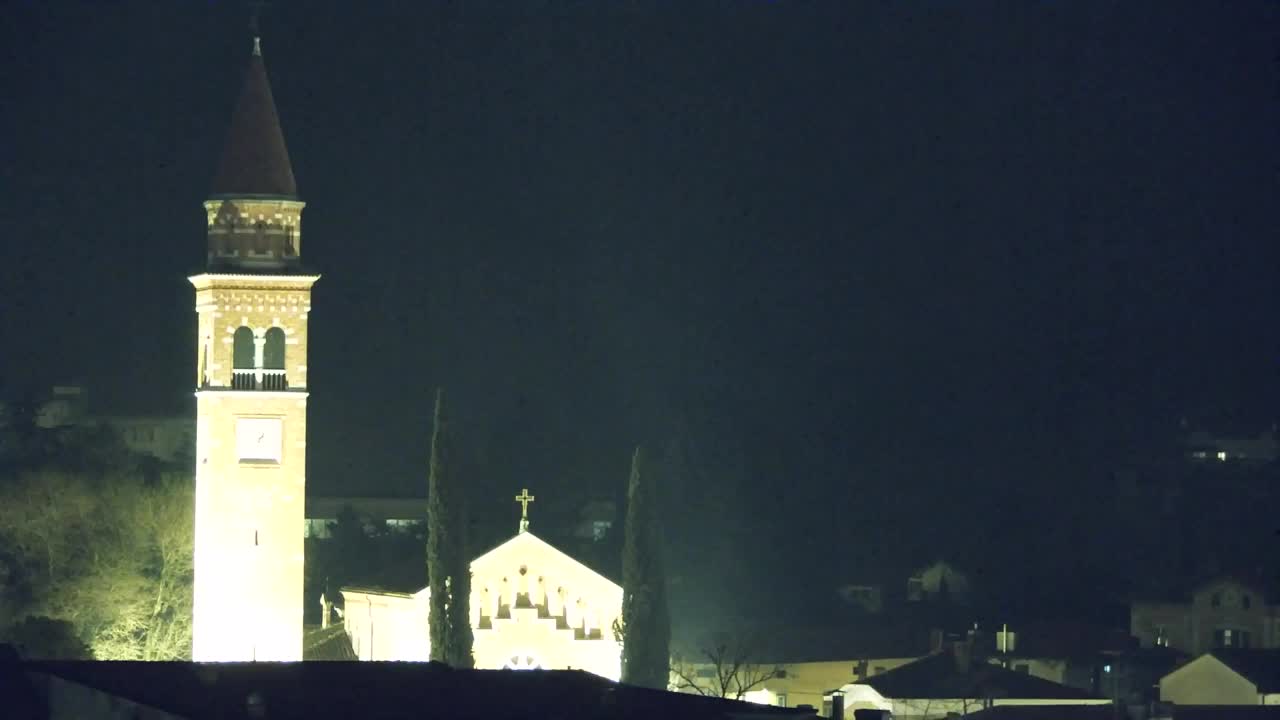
(273, 360)
(260, 238)
(242, 352)
(273, 351)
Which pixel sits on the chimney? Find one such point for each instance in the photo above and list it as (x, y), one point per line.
(837, 705)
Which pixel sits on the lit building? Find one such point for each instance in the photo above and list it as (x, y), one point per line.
(251, 398)
(532, 607)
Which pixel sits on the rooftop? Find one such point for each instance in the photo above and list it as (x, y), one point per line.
(944, 675)
(310, 690)
(255, 161)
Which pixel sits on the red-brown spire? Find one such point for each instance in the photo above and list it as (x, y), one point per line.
(255, 161)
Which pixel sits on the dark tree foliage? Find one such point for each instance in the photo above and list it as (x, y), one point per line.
(42, 638)
(448, 571)
(646, 623)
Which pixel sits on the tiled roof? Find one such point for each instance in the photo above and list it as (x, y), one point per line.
(331, 643)
(254, 160)
(941, 676)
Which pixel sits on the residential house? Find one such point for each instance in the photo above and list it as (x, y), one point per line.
(794, 666)
(950, 682)
(1222, 613)
(1225, 677)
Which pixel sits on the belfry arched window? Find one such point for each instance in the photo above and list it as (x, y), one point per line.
(242, 360)
(273, 360)
(260, 238)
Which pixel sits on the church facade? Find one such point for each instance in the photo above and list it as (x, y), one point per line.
(532, 607)
(252, 304)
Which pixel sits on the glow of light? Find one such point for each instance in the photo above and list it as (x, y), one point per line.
(760, 697)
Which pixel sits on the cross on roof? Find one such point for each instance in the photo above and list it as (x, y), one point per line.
(524, 498)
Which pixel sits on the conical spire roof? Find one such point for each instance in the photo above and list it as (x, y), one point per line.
(254, 159)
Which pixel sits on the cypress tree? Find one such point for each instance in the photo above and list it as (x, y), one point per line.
(646, 623)
(448, 572)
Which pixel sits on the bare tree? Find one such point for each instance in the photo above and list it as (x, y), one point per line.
(113, 557)
(725, 666)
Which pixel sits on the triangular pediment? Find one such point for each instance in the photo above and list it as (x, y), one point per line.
(526, 547)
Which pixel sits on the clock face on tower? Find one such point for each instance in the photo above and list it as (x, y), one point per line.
(258, 439)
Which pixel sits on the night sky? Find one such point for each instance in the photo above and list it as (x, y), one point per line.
(887, 270)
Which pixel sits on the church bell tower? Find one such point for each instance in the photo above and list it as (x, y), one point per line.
(252, 303)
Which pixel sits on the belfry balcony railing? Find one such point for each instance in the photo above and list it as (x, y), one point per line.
(258, 379)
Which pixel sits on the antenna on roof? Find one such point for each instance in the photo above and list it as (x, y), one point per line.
(255, 11)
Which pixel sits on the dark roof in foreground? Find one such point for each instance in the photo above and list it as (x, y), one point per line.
(1260, 667)
(1226, 712)
(941, 676)
(1046, 712)
(311, 690)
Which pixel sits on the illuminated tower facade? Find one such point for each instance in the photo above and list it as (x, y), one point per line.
(252, 302)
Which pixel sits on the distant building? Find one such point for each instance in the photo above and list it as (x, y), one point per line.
(67, 405)
(1221, 614)
(952, 682)
(939, 581)
(376, 514)
(790, 666)
(596, 519)
(168, 438)
(164, 438)
(868, 597)
(1210, 447)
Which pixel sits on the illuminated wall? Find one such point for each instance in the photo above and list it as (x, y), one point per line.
(799, 683)
(251, 431)
(532, 606)
(1208, 681)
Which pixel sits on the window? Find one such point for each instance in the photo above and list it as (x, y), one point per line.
(780, 673)
(273, 360)
(782, 699)
(1245, 602)
(1216, 600)
(242, 349)
(600, 528)
(273, 350)
(1230, 638)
